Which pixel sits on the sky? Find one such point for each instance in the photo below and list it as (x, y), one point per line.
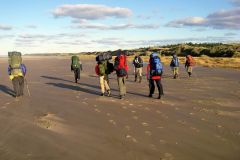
(72, 26)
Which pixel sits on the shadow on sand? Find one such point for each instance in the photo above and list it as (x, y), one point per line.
(74, 87)
(57, 78)
(7, 90)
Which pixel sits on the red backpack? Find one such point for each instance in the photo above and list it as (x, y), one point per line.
(190, 60)
(121, 66)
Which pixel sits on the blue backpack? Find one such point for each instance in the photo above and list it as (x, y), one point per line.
(156, 65)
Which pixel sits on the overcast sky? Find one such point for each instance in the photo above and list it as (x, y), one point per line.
(48, 26)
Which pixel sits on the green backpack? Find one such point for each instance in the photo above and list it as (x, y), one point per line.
(102, 68)
(75, 62)
(15, 60)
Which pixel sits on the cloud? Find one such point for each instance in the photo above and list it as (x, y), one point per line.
(235, 2)
(91, 11)
(224, 19)
(86, 25)
(31, 26)
(5, 27)
(6, 36)
(230, 34)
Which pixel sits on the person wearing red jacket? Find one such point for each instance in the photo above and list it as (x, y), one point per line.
(121, 68)
(152, 78)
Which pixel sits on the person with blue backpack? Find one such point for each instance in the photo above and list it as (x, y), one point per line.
(175, 66)
(154, 73)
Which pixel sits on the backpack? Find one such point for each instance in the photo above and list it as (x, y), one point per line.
(138, 62)
(190, 60)
(15, 61)
(120, 64)
(174, 62)
(109, 68)
(102, 68)
(75, 62)
(156, 66)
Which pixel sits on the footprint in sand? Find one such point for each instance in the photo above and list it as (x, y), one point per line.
(124, 107)
(140, 105)
(158, 112)
(146, 109)
(131, 138)
(153, 147)
(97, 110)
(220, 137)
(192, 113)
(94, 105)
(3, 107)
(135, 117)
(85, 103)
(203, 119)
(133, 111)
(130, 104)
(128, 127)
(148, 133)
(108, 114)
(162, 141)
(77, 97)
(145, 124)
(7, 103)
(195, 129)
(112, 122)
(160, 127)
(167, 156)
(181, 122)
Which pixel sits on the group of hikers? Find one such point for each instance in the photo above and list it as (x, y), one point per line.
(17, 71)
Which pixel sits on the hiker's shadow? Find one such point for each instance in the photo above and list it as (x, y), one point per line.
(57, 78)
(74, 87)
(7, 90)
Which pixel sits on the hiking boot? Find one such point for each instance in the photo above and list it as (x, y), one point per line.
(150, 96)
(159, 97)
(121, 97)
(108, 93)
(102, 94)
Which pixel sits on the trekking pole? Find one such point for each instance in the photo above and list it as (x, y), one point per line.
(27, 87)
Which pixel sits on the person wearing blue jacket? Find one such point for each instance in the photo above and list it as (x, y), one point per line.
(18, 79)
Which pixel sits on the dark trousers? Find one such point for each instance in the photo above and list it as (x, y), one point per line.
(76, 74)
(152, 86)
(18, 85)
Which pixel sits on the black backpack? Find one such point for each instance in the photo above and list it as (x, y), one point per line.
(138, 62)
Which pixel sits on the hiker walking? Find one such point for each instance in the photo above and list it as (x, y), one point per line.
(154, 73)
(138, 66)
(189, 64)
(76, 66)
(121, 68)
(175, 66)
(103, 69)
(16, 71)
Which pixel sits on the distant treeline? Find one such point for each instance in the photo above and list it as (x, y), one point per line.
(195, 49)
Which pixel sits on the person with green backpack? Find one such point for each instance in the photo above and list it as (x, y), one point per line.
(16, 71)
(76, 66)
(103, 69)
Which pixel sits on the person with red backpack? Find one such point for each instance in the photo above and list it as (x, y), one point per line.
(121, 68)
(189, 64)
(154, 73)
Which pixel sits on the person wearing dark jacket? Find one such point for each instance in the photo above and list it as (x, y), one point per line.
(175, 66)
(138, 66)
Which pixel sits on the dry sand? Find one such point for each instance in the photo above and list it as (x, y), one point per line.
(197, 119)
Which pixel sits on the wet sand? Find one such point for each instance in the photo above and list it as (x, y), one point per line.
(198, 118)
